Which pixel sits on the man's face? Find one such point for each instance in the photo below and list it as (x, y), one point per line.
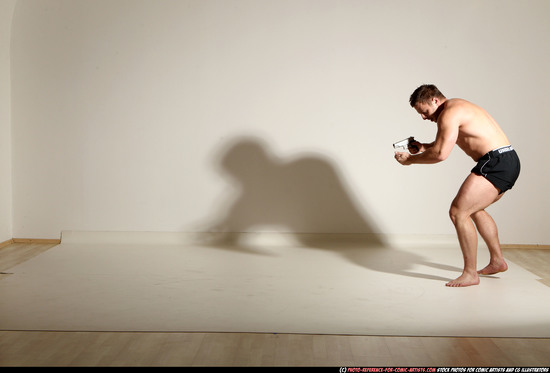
(427, 110)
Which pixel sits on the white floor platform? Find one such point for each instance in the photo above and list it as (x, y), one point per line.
(331, 286)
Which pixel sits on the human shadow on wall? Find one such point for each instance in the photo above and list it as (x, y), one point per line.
(301, 195)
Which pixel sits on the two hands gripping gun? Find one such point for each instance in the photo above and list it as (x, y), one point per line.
(409, 144)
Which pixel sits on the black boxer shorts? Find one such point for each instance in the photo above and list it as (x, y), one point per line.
(500, 166)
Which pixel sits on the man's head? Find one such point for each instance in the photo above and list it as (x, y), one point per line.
(426, 99)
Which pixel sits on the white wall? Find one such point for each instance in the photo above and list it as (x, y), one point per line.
(173, 115)
(6, 13)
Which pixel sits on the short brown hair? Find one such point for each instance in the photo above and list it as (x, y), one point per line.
(424, 93)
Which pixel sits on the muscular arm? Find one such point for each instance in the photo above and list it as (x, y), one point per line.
(439, 150)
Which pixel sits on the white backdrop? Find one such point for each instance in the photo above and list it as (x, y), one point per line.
(6, 12)
(253, 115)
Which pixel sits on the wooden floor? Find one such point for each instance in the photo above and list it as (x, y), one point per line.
(53, 348)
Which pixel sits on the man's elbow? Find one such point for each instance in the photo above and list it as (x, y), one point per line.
(440, 156)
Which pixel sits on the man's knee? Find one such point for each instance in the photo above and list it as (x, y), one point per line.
(455, 213)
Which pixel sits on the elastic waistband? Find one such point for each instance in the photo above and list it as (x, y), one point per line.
(499, 151)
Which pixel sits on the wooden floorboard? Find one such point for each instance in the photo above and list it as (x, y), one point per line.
(17, 253)
(117, 349)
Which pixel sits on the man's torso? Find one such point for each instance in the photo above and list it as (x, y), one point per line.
(478, 133)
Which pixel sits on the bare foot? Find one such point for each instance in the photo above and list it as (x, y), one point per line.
(494, 268)
(466, 279)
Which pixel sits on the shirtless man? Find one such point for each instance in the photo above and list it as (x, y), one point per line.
(479, 136)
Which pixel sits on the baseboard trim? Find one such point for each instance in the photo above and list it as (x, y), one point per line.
(58, 241)
(525, 247)
(36, 240)
(6, 243)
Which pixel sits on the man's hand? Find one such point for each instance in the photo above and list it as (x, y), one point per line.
(403, 158)
(416, 147)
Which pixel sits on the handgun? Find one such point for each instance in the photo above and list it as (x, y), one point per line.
(405, 144)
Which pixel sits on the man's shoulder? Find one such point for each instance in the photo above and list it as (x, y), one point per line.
(456, 103)
(455, 108)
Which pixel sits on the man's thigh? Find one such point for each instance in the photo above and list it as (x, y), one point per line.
(475, 194)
